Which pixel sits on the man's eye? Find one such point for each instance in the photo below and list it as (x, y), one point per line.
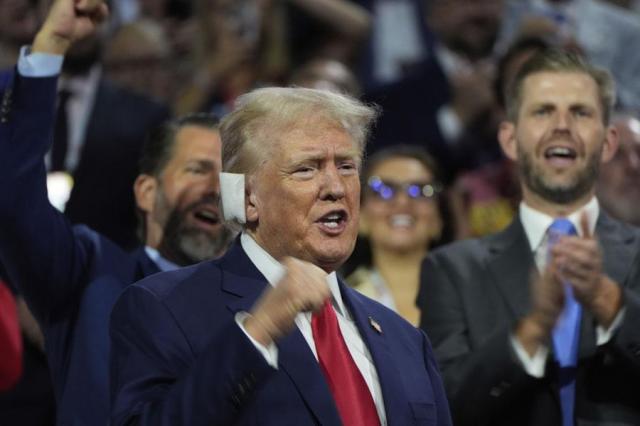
(583, 113)
(541, 112)
(348, 168)
(303, 170)
(196, 170)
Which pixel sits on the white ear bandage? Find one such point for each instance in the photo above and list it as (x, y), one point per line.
(232, 194)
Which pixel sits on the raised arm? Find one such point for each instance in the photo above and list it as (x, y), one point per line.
(38, 248)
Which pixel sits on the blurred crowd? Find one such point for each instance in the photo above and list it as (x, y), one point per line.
(438, 70)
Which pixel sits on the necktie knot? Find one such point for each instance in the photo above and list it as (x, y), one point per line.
(562, 226)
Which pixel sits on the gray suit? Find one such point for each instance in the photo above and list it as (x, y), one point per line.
(473, 292)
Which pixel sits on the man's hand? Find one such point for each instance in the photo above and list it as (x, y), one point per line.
(67, 22)
(579, 261)
(547, 298)
(304, 288)
(472, 92)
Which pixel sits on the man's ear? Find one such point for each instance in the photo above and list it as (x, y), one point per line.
(145, 189)
(507, 139)
(610, 145)
(251, 202)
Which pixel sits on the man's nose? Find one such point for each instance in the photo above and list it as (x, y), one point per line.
(333, 186)
(563, 120)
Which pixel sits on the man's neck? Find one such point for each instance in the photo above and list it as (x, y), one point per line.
(554, 209)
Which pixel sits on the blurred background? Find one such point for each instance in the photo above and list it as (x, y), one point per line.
(437, 68)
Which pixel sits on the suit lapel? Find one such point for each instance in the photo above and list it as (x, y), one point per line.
(393, 392)
(510, 262)
(242, 279)
(298, 362)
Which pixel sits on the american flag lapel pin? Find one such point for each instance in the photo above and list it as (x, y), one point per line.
(375, 325)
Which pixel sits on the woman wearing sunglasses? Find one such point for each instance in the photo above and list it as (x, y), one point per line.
(401, 218)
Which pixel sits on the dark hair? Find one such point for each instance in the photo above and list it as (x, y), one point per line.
(362, 251)
(558, 60)
(158, 146)
(400, 151)
(157, 150)
(519, 47)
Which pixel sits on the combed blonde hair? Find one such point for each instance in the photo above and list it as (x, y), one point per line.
(252, 128)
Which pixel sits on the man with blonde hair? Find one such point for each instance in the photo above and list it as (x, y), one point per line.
(268, 334)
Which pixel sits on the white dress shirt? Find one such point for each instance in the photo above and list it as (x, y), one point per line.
(274, 272)
(535, 225)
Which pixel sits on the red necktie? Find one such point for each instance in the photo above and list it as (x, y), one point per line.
(347, 385)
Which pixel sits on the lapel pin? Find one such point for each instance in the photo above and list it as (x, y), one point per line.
(375, 325)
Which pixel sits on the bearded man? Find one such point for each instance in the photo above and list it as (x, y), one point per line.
(537, 325)
(70, 275)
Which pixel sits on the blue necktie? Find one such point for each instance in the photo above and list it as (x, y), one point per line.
(566, 332)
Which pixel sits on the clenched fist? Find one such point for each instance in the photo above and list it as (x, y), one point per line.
(304, 288)
(67, 22)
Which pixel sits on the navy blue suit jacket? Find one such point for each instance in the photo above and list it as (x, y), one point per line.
(69, 275)
(179, 358)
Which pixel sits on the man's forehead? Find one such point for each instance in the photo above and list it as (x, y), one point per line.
(316, 142)
(560, 85)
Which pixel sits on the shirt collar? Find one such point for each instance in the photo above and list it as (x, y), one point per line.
(273, 270)
(82, 85)
(162, 263)
(536, 223)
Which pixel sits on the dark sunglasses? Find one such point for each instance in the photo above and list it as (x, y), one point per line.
(416, 191)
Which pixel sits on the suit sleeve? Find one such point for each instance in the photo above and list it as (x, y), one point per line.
(156, 379)
(626, 340)
(38, 248)
(480, 379)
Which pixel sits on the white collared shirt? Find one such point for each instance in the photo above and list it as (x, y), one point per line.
(536, 224)
(273, 271)
(163, 264)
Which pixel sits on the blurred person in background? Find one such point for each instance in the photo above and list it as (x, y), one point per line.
(249, 43)
(619, 183)
(400, 220)
(71, 275)
(138, 57)
(97, 139)
(450, 89)
(603, 31)
(19, 20)
(485, 194)
(326, 74)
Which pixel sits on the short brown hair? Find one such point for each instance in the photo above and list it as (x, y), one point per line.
(557, 60)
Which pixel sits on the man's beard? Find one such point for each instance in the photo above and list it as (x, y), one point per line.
(534, 178)
(184, 244)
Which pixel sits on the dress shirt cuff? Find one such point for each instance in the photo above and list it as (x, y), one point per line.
(270, 353)
(38, 64)
(533, 365)
(449, 124)
(603, 335)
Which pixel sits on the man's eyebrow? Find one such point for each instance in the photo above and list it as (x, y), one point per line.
(202, 163)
